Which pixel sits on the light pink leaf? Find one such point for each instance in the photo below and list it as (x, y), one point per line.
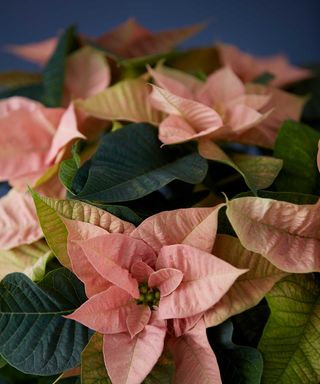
(138, 318)
(194, 358)
(283, 105)
(18, 220)
(17, 102)
(182, 326)
(128, 361)
(163, 41)
(249, 67)
(166, 280)
(67, 131)
(105, 312)
(127, 100)
(87, 73)
(175, 129)
(192, 226)
(205, 280)
(199, 116)
(250, 288)
(78, 230)
(25, 139)
(177, 82)
(286, 234)
(119, 39)
(241, 118)
(221, 87)
(141, 271)
(38, 52)
(113, 256)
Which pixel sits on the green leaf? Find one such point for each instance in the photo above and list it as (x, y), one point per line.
(297, 146)
(163, 371)
(130, 164)
(93, 370)
(30, 259)
(68, 168)
(264, 78)
(259, 172)
(34, 336)
(238, 364)
(33, 91)
(290, 343)
(53, 75)
(2, 362)
(50, 211)
(122, 212)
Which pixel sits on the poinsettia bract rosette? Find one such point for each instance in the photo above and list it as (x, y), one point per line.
(160, 215)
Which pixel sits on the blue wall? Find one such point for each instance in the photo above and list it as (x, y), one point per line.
(259, 26)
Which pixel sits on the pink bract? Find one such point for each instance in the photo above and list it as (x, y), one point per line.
(216, 109)
(153, 278)
(249, 67)
(222, 108)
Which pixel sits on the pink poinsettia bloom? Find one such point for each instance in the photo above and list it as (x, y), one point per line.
(249, 67)
(32, 139)
(129, 39)
(216, 109)
(221, 108)
(153, 282)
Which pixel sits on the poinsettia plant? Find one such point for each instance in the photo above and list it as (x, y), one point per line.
(159, 218)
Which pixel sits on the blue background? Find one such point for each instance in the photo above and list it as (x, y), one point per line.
(259, 26)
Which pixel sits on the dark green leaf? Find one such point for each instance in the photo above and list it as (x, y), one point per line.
(34, 92)
(290, 343)
(68, 168)
(122, 212)
(264, 78)
(53, 75)
(297, 146)
(34, 337)
(130, 164)
(238, 364)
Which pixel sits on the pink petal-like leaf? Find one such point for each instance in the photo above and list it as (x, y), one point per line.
(127, 100)
(87, 73)
(78, 230)
(18, 220)
(138, 318)
(250, 288)
(128, 361)
(222, 86)
(192, 226)
(205, 280)
(21, 131)
(284, 233)
(113, 256)
(175, 129)
(166, 280)
(199, 116)
(105, 312)
(182, 326)
(249, 67)
(241, 118)
(38, 52)
(141, 271)
(194, 358)
(177, 82)
(66, 132)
